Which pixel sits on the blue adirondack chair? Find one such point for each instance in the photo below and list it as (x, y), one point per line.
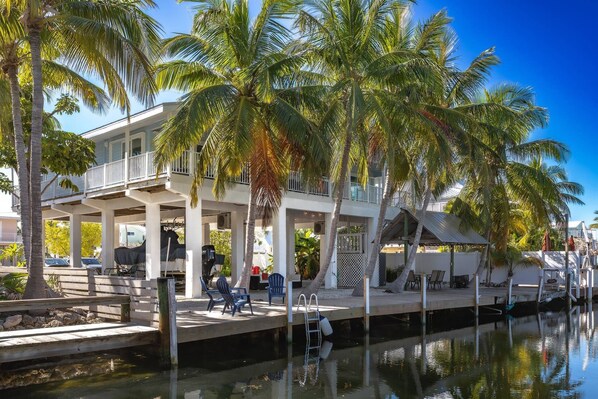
(211, 295)
(232, 300)
(275, 287)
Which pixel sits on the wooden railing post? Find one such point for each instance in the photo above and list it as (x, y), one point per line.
(167, 322)
(125, 312)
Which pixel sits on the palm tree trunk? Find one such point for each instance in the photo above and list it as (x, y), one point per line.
(339, 188)
(484, 257)
(375, 252)
(21, 153)
(399, 284)
(35, 283)
(243, 280)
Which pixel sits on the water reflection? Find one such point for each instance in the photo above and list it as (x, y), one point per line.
(551, 355)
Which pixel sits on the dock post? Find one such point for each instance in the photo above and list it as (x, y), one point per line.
(366, 304)
(509, 292)
(289, 299)
(167, 322)
(424, 298)
(590, 285)
(476, 293)
(540, 290)
(568, 290)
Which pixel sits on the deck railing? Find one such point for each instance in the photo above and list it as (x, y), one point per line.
(141, 167)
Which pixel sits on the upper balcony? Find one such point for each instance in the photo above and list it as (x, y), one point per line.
(141, 168)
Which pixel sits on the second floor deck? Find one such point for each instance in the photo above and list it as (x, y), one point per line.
(141, 169)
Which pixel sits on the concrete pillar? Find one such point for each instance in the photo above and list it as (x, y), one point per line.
(193, 242)
(206, 234)
(372, 223)
(107, 238)
(116, 235)
(279, 241)
(237, 225)
(152, 241)
(291, 246)
(331, 279)
(75, 240)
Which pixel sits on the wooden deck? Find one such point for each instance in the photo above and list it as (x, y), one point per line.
(194, 323)
(61, 341)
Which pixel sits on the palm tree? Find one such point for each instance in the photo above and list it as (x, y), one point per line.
(345, 41)
(446, 104)
(114, 42)
(11, 57)
(500, 171)
(242, 104)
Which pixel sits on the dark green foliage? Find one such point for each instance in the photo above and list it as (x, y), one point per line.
(307, 253)
(221, 240)
(12, 283)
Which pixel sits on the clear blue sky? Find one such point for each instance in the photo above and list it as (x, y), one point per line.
(548, 45)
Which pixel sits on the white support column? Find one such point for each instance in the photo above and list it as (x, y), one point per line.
(237, 226)
(331, 278)
(75, 240)
(290, 246)
(372, 223)
(206, 234)
(152, 241)
(193, 242)
(107, 238)
(279, 241)
(116, 235)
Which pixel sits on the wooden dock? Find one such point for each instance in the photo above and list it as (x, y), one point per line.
(194, 323)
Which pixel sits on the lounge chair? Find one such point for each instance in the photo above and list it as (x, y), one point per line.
(275, 287)
(412, 280)
(436, 279)
(232, 300)
(211, 295)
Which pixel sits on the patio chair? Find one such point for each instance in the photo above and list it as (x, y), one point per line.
(210, 293)
(233, 300)
(432, 278)
(412, 280)
(437, 282)
(275, 287)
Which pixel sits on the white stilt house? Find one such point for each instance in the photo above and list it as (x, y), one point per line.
(126, 188)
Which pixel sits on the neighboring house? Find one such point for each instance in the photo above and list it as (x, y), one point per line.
(439, 204)
(9, 234)
(126, 189)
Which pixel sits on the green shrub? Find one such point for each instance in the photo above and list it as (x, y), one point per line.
(13, 283)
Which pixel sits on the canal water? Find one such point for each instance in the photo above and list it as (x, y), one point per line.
(551, 355)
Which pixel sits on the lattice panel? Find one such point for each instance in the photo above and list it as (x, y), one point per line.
(350, 269)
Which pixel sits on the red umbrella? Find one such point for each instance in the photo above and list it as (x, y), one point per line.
(546, 243)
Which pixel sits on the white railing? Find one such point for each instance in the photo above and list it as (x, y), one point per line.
(138, 167)
(350, 243)
(181, 165)
(51, 186)
(141, 167)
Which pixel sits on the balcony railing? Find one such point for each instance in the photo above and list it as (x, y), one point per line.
(141, 167)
